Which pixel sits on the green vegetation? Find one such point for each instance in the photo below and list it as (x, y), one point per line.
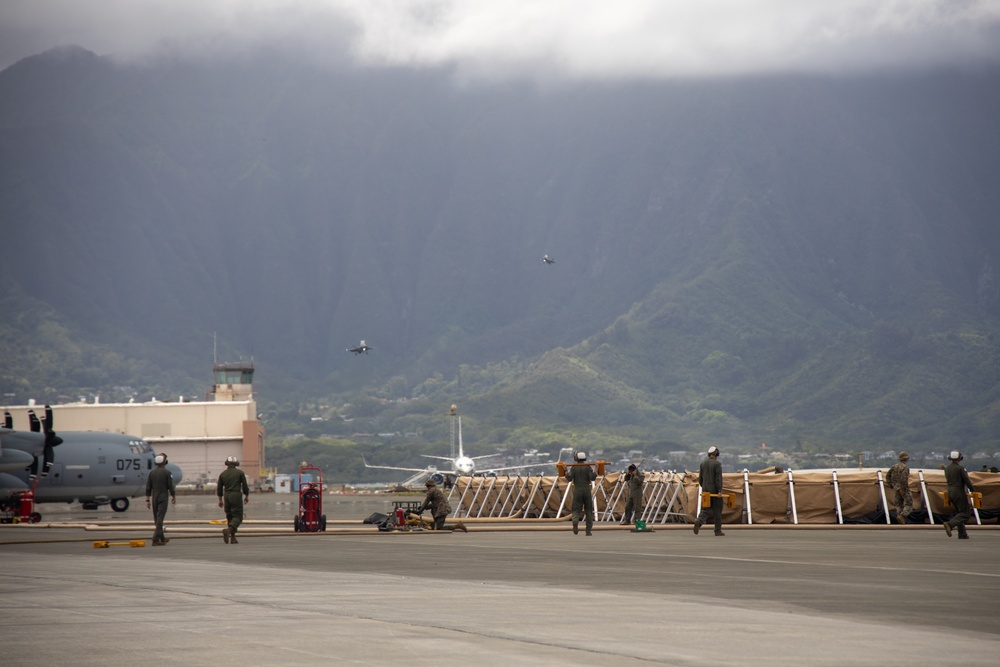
(807, 263)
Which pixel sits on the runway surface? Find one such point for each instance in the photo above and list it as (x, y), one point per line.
(758, 596)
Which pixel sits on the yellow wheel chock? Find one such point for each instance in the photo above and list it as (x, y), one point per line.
(975, 498)
(706, 502)
(131, 543)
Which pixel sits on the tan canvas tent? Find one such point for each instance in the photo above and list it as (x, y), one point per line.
(799, 497)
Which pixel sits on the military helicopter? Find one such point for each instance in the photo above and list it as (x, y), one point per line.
(92, 467)
(362, 347)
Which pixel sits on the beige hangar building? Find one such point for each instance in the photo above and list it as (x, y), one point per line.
(198, 436)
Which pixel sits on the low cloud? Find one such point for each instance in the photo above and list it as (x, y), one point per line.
(499, 39)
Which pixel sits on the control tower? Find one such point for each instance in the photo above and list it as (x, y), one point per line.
(233, 381)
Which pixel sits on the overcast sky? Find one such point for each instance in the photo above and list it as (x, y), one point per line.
(533, 38)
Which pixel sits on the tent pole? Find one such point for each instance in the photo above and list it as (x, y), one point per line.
(885, 503)
(791, 495)
(927, 500)
(836, 495)
(486, 496)
(531, 497)
(746, 496)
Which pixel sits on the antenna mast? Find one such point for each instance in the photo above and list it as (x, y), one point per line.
(454, 414)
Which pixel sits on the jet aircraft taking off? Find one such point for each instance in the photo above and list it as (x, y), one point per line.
(548, 260)
(92, 467)
(362, 347)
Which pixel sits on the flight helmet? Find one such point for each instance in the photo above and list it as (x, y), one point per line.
(713, 450)
(232, 461)
(581, 456)
(955, 455)
(160, 459)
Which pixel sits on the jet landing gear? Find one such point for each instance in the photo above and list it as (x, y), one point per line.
(119, 504)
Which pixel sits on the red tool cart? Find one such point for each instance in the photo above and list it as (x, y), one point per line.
(310, 518)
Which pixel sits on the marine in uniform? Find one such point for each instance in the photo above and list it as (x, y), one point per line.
(958, 488)
(439, 507)
(710, 479)
(633, 506)
(583, 499)
(159, 490)
(232, 484)
(899, 479)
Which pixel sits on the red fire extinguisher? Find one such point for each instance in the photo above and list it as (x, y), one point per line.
(27, 506)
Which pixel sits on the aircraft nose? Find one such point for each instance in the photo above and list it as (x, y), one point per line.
(176, 472)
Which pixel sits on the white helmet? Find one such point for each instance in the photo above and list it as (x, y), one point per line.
(713, 450)
(581, 456)
(232, 460)
(160, 459)
(955, 455)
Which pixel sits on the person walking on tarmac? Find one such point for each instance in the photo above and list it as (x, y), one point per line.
(958, 482)
(160, 487)
(633, 506)
(439, 507)
(710, 479)
(232, 482)
(583, 500)
(899, 479)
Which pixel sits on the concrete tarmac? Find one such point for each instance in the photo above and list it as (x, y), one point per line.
(757, 596)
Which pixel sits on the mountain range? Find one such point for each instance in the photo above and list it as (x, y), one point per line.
(811, 261)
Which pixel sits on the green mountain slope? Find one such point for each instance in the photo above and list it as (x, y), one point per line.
(803, 260)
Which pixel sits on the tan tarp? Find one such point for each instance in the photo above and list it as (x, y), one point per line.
(771, 495)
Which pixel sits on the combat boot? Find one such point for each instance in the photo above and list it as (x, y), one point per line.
(232, 539)
(225, 535)
(947, 528)
(576, 527)
(719, 533)
(697, 526)
(461, 526)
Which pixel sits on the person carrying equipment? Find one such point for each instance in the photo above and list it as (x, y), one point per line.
(633, 506)
(710, 479)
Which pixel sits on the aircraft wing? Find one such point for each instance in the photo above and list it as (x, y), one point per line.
(429, 469)
(523, 465)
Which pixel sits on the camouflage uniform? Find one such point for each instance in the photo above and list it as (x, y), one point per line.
(159, 491)
(583, 499)
(958, 482)
(232, 482)
(633, 506)
(438, 504)
(899, 480)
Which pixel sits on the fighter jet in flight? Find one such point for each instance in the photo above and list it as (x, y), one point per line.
(548, 260)
(362, 347)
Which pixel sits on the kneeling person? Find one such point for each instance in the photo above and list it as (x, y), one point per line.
(439, 507)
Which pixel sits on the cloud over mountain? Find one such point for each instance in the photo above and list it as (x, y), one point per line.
(503, 39)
